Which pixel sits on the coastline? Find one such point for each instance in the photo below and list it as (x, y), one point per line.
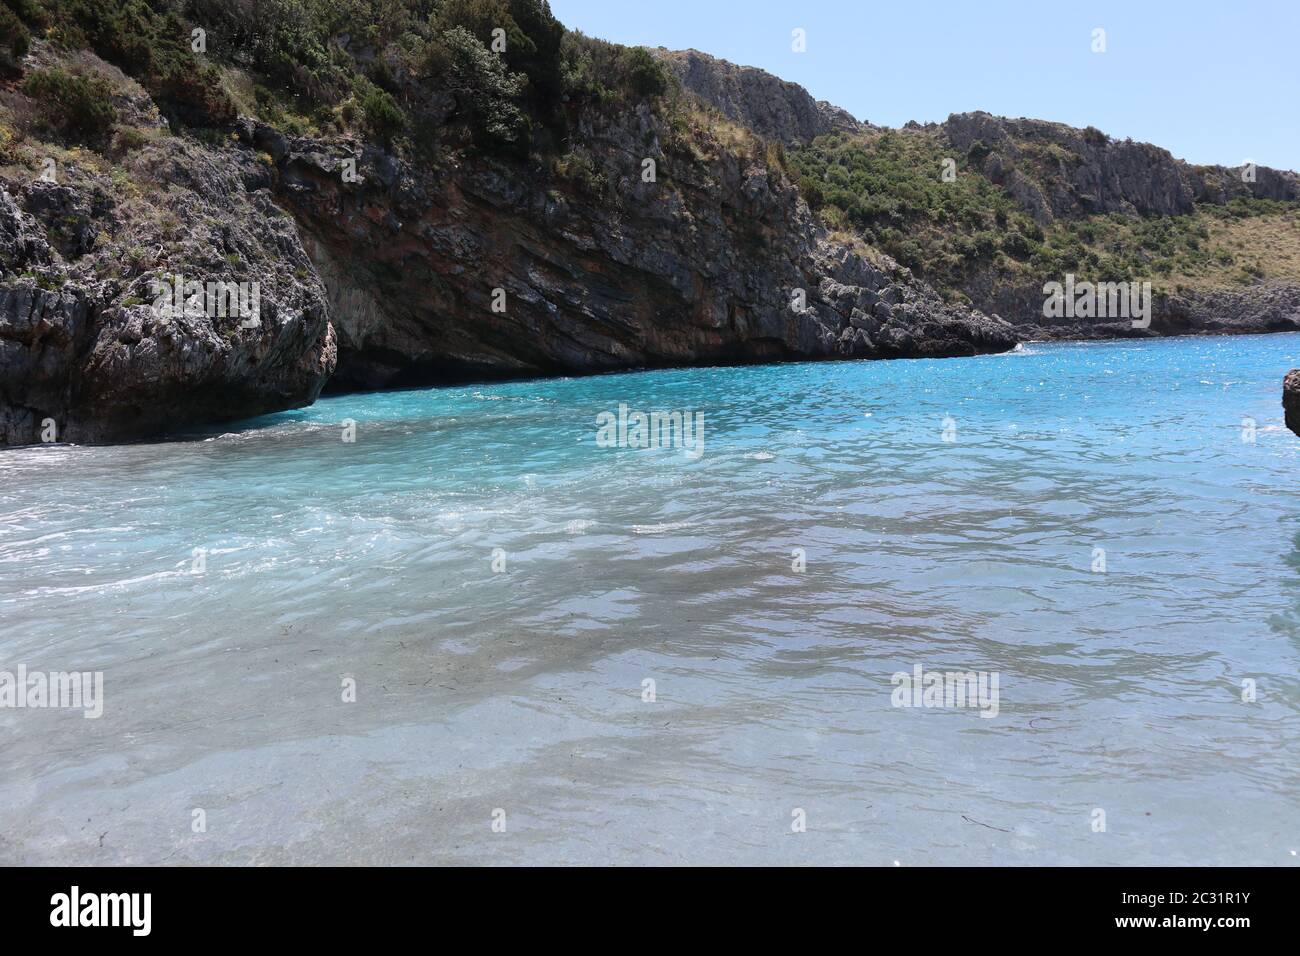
(197, 430)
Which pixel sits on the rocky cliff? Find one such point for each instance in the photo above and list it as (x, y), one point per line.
(768, 105)
(414, 208)
(653, 241)
(489, 268)
(84, 354)
(1054, 170)
(1074, 193)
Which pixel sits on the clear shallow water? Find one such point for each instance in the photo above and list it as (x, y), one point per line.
(522, 690)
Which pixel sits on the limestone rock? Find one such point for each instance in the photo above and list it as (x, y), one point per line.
(1291, 399)
(770, 106)
(81, 345)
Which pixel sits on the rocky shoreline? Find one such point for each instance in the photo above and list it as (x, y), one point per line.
(476, 273)
(408, 278)
(374, 271)
(377, 273)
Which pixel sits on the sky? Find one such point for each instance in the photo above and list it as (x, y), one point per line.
(1211, 82)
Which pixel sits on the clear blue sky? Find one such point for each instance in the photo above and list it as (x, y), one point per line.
(1212, 82)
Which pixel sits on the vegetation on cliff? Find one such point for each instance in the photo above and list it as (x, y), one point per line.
(504, 76)
(963, 231)
(333, 66)
(432, 78)
(629, 224)
(621, 197)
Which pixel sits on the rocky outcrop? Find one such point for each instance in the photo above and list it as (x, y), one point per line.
(1052, 171)
(470, 264)
(473, 267)
(1055, 170)
(86, 354)
(768, 105)
(1291, 399)
(1263, 306)
(489, 268)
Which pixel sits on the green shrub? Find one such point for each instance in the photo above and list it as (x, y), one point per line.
(533, 39)
(196, 95)
(384, 119)
(16, 16)
(977, 153)
(14, 37)
(29, 11)
(130, 139)
(578, 168)
(150, 41)
(486, 93)
(812, 191)
(76, 104)
(1017, 246)
(608, 74)
(1095, 136)
(642, 73)
(889, 187)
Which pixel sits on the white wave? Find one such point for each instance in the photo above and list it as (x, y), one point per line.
(662, 527)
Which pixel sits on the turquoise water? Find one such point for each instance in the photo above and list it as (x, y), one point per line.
(519, 688)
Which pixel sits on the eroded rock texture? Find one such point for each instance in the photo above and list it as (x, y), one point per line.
(716, 261)
(84, 356)
(1291, 399)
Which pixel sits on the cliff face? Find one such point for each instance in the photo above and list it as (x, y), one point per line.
(588, 213)
(1055, 170)
(476, 265)
(770, 106)
(1265, 306)
(1075, 189)
(493, 268)
(84, 356)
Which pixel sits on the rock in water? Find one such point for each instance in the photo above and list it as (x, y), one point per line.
(87, 355)
(1291, 399)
